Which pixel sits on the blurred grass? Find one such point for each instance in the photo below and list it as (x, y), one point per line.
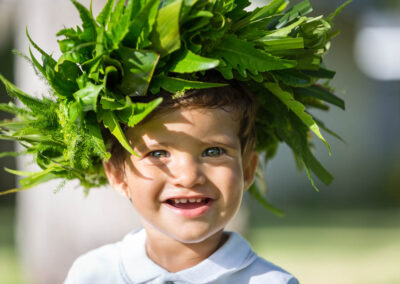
(317, 246)
(333, 246)
(10, 271)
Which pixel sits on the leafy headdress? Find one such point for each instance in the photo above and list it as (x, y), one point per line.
(142, 46)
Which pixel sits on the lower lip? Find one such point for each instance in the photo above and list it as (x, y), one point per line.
(195, 211)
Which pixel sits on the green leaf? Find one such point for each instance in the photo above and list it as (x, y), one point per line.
(166, 36)
(298, 10)
(40, 177)
(88, 96)
(320, 93)
(284, 32)
(174, 85)
(88, 23)
(332, 16)
(142, 25)
(297, 108)
(241, 56)
(284, 43)
(294, 78)
(95, 134)
(141, 110)
(138, 67)
(259, 14)
(189, 62)
(111, 122)
(104, 17)
(49, 59)
(29, 101)
(120, 21)
(260, 198)
(323, 127)
(13, 109)
(133, 113)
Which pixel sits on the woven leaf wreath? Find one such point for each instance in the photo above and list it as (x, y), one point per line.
(143, 46)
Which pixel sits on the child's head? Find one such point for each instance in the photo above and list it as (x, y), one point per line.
(196, 160)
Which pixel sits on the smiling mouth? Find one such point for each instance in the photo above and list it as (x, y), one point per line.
(188, 203)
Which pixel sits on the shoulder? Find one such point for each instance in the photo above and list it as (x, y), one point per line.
(242, 265)
(101, 265)
(93, 266)
(263, 271)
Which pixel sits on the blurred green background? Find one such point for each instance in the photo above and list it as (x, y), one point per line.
(349, 232)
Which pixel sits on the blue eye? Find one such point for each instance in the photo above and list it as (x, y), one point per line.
(159, 154)
(213, 152)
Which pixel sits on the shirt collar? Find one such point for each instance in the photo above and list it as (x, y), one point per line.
(234, 255)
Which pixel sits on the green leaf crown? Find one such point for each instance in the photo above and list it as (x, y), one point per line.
(143, 46)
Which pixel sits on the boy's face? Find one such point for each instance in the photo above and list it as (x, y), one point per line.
(190, 178)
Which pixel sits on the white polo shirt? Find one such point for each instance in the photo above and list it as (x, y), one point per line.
(126, 262)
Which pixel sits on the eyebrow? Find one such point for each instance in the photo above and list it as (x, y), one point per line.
(224, 141)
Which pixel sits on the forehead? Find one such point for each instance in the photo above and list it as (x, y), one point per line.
(181, 123)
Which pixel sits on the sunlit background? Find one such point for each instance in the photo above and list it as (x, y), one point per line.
(348, 232)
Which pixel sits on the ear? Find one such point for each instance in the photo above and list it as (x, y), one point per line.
(249, 169)
(116, 177)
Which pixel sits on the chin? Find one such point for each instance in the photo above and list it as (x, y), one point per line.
(194, 236)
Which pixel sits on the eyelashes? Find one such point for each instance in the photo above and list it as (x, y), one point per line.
(213, 152)
(209, 152)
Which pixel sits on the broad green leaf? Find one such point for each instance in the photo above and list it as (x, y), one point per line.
(142, 25)
(111, 122)
(174, 85)
(241, 56)
(88, 96)
(297, 108)
(322, 94)
(141, 110)
(166, 36)
(189, 62)
(138, 67)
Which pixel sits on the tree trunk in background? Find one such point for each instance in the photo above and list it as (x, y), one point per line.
(54, 229)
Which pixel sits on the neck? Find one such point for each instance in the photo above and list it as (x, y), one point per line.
(174, 255)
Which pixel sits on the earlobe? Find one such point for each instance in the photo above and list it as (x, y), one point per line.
(249, 169)
(116, 177)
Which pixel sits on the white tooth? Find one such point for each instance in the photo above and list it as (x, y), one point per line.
(192, 200)
(176, 201)
(198, 200)
(183, 200)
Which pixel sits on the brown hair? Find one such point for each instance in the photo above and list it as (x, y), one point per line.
(231, 98)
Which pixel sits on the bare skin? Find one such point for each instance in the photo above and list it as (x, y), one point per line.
(187, 182)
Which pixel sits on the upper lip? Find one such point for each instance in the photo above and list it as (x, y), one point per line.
(186, 197)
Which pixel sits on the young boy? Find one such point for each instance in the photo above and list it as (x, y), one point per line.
(184, 160)
(196, 159)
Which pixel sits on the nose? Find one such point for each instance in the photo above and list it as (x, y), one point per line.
(186, 172)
